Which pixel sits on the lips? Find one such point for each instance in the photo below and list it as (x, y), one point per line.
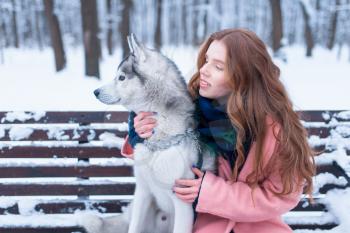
(203, 83)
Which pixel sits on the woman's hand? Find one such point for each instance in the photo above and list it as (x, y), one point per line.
(188, 189)
(144, 124)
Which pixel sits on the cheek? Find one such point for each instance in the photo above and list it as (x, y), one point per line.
(222, 83)
(222, 88)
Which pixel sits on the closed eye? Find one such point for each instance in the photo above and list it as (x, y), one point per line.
(219, 68)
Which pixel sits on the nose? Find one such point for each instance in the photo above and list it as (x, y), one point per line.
(96, 92)
(204, 70)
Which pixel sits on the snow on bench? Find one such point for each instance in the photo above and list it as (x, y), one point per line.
(56, 165)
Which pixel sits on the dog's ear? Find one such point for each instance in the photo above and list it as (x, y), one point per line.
(136, 48)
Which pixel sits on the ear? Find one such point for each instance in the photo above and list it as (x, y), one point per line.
(136, 48)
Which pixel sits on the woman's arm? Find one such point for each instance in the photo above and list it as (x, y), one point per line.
(235, 201)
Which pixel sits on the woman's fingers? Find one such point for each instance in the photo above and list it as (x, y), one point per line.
(146, 131)
(187, 198)
(146, 134)
(198, 172)
(144, 121)
(144, 124)
(142, 115)
(187, 182)
(189, 190)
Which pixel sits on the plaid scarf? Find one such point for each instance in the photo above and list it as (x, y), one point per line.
(217, 133)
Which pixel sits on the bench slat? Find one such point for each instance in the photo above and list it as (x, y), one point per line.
(101, 171)
(59, 152)
(84, 134)
(66, 171)
(313, 226)
(83, 117)
(70, 206)
(42, 230)
(82, 152)
(79, 229)
(317, 115)
(69, 135)
(66, 189)
(80, 117)
(111, 206)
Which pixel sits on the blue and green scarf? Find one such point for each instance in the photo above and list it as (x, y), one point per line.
(216, 132)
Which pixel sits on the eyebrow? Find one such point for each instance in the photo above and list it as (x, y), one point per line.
(216, 60)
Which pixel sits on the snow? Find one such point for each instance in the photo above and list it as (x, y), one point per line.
(22, 116)
(29, 83)
(20, 132)
(344, 115)
(327, 178)
(111, 140)
(58, 134)
(337, 202)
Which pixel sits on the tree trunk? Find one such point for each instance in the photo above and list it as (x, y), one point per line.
(205, 22)
(277, 26)
(158, 33)
(307, 30)
(91, 42)
(2, 38)
(124, 26)
(333, 29)
(110, 42)
(38, 29)
(14, 24)
(55, 34)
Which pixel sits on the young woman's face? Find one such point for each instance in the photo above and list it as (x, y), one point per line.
(213, 74)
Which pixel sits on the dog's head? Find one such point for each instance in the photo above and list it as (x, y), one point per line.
(128, 83)
(145, 74)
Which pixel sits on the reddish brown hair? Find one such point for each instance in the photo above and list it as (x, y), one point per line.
(257, 92)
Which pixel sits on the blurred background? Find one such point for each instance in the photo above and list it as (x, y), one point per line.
(53, 53)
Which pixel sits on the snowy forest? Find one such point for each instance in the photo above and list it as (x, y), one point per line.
(102, 26)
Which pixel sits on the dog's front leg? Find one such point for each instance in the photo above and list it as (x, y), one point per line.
(141, 204)
(183, 220)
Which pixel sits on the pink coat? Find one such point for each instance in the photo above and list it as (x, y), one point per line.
(223, 206)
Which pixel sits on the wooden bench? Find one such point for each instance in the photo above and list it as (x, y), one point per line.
(76, 157)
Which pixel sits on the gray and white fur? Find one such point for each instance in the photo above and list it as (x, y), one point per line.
(148, 81)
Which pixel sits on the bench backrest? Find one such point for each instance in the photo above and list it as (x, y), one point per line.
(41, 140)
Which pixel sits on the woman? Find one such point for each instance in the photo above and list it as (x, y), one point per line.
(247, 119)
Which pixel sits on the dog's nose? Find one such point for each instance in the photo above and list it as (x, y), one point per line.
(96, 92)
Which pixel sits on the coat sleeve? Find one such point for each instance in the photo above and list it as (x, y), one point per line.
(127, 150)
(131, 139)
(237, 202)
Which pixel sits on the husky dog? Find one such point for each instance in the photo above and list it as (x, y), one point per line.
(148, 81)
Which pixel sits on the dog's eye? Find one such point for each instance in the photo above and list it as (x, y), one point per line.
(121, 77)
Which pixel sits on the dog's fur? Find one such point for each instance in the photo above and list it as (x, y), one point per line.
(148, 81)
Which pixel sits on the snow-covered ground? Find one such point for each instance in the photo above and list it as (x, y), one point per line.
(28, 82)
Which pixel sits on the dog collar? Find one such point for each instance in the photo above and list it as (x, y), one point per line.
(170, 141)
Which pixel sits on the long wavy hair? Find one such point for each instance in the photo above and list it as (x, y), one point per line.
(257, 92)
